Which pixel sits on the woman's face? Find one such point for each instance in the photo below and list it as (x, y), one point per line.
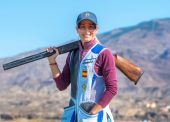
(87, 30)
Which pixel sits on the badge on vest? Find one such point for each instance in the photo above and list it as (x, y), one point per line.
(84, 87)
(84, 73)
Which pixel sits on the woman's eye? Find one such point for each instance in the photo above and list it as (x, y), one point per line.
(86, 27)
(82, 27)
(91, 28)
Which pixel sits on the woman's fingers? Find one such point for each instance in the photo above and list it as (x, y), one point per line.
(50, 49)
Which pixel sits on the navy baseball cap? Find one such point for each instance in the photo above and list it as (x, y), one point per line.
(87, 16)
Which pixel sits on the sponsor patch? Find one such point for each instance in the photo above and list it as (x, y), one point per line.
(86, 61)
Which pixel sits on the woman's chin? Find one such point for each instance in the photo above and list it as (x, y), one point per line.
(87, 40)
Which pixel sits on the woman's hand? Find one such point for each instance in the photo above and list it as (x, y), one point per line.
(52, 62)
(52, 58)
(97, 108)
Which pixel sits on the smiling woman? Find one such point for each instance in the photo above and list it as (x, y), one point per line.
(91, 71)
(87, 30)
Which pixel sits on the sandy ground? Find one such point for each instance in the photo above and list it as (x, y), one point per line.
(40, 120)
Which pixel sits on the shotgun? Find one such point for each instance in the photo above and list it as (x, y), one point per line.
(130, 70)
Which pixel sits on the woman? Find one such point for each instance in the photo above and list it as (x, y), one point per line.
(91, 72)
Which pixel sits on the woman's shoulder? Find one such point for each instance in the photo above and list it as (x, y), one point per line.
(106, 52)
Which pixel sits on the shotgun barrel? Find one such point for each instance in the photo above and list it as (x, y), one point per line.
(61, 49)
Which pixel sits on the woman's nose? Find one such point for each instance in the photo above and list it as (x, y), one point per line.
(87, 30)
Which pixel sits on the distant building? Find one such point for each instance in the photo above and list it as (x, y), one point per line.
(151, 105)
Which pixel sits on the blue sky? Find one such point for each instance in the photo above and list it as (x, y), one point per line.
(27, 25)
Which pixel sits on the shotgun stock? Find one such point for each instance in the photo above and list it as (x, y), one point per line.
(130, 70)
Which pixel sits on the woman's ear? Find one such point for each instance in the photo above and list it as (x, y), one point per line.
(97, 28)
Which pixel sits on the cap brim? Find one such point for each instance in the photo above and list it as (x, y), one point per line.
(86, 19)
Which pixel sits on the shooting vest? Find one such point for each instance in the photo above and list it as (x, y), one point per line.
(86, 88)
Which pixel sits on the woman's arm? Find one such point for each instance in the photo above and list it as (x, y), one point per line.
(62, 79)
(105, 66)
(53, 64)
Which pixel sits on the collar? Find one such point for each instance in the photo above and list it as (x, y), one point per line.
(87, 45)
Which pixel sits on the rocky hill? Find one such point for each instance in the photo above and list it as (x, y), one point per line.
(146, 44)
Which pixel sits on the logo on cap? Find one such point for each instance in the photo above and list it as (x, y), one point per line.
(87, 14)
